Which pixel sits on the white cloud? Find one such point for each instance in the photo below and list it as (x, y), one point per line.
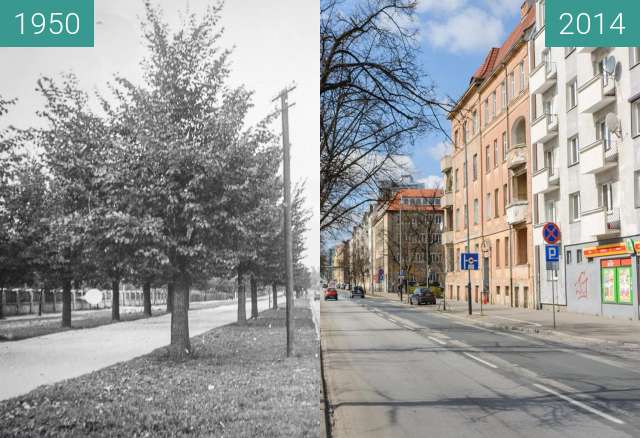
(469, 30)
(439, 5)
(439, 150)
(431, 182)
(504, 8)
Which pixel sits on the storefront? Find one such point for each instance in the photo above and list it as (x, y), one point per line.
(603, 279)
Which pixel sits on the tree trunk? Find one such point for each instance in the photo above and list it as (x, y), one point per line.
(274, 290)
(146, 296)
(170, 294)
(66, 303)
(254, 298)
(242, 302)
(180, 346)
(115, 300)
(41, 301)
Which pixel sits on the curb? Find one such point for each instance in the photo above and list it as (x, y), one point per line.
(325, 400)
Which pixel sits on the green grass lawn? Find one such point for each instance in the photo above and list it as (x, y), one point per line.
(237, 384)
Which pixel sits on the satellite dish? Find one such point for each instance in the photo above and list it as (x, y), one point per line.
(610, 65)
(612, 122)
(93, 297)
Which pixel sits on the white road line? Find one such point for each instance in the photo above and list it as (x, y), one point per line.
(489, 364)
(580, 404)
(439, 341)
(519, 320)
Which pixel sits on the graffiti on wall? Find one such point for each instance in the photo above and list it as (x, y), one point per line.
(581, 286)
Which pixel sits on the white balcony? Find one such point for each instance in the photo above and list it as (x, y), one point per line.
(600, 223)
(517, 156)
(447, 237)
(543, 77)
(597, 157)
(446, 163)
(447, 200)
(544, 128)
(596, 94)
(517, 212)
(545, 181)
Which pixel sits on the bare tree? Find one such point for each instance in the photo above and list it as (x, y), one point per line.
(374, 100)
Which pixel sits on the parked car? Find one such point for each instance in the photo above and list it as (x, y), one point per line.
(331, 294)
(422, 295)
(357, 291)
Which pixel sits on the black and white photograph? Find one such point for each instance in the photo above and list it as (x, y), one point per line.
(159, 244)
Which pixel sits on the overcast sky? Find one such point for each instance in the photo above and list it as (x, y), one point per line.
(276, 44)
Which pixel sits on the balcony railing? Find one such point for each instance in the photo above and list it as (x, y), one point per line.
(446, 163)
(543, 77)
(596, 94)
(517, 211)
(599, 156)
(517, 156)
(544, 128)
(600, 222)
(447, 199)
(546, 180)
(447, 237)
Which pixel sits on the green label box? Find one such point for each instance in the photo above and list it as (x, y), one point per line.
(47, 23)
(592, 23)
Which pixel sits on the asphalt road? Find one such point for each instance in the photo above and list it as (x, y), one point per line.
(27, 364)
(395, 370)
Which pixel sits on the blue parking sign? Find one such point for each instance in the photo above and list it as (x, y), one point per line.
(469, 261)
(552, 253)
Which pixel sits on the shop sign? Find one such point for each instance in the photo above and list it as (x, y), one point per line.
(607, 250)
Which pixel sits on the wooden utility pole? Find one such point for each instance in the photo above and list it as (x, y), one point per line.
(284, 104)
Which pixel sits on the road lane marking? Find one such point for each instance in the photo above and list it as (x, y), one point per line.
(579, 404)
(489, 364)
(441, 342)
(519, 320)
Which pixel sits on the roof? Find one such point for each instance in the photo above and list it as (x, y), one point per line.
(395, 205)
(497, 55)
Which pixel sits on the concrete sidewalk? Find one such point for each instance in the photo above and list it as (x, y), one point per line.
(586, 328)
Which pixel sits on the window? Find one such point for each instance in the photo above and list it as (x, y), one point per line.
(456, 139)
(476, 211)
(505, 146)
(497, 253)
(606, 197)
(503, 92)
(574, 207)
(465, 132)
(541, 11)
(475, 166)
(603, 134)
(494, 109)
(497, 290)
(635, 118)
(523, 80)
(466, 216)
(512, 85)
(506, 253)
(496, 212)
(536, 215)
(568, 257)
(634, 56)
(486, 112)
(505, 199)
(574, 151)
(579, 256)
(474, 127)
(456, 177)
(636, 180)
(487, 160)
(550, 211)
(487, 207)
(457, 219)
(572, 94)
(495, 153)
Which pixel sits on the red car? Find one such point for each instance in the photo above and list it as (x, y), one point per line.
(331, 294)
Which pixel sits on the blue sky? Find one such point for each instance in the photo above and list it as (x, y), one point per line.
(455, 36)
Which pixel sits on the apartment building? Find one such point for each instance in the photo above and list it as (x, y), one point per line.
(585, 134)
(406, 235)
(488, 173)
(341, 263)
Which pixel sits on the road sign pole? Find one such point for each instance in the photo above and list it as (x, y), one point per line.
(553, 296)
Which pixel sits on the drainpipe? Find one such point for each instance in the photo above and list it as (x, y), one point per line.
(506, 84)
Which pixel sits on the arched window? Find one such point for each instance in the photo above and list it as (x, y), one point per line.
(519, 132)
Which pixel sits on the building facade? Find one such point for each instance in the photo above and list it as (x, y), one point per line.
(487, 178)
(406, 236)
(586, 173)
